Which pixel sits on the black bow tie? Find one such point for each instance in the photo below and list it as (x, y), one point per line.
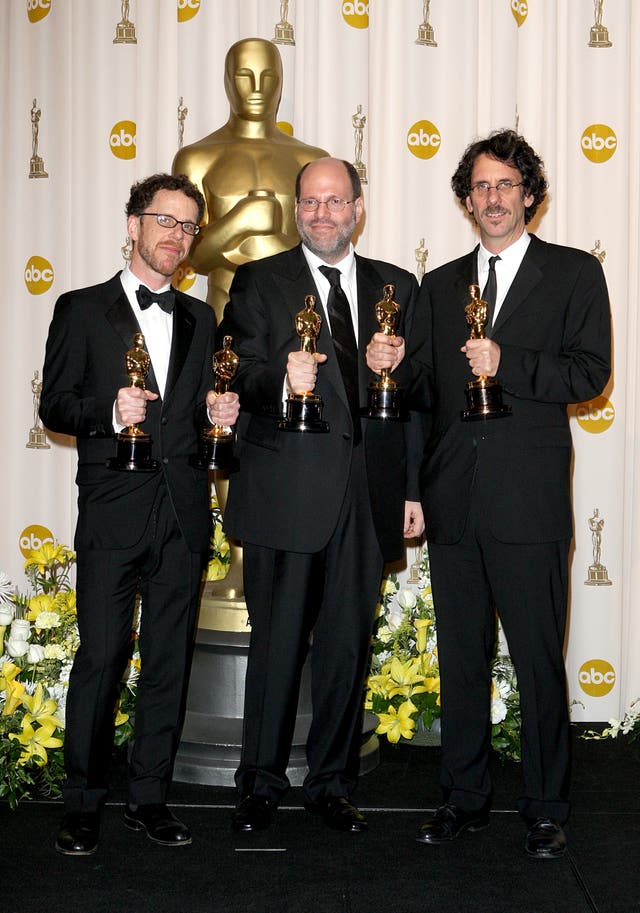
(164, 300)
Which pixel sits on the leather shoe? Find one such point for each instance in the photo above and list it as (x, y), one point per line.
(449, 822)
(78, 834)
(252, 813)
(339, 814)
(545, 839)
(160, 824)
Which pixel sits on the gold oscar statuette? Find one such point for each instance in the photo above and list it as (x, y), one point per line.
(215, 444)
(133, 448)
(303, 411)
(37, 435)
(284, 29)
(384, 396)
(597, 574)
(484, 395)
(426, 34)
(359, 120)
(599, 33)
(125, 29)
(36, 162)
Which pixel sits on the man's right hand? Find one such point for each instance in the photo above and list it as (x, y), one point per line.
(131, 405)
(302, 371)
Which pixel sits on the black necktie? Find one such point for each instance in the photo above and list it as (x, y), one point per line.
(344, 343)
(164, 300)
(490, 291)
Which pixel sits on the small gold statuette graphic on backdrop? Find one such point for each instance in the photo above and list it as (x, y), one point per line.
(182, 116)
(133, 447)
(303, 411)
(127, 250)
(384, 396)
(599, 33)
(36, 163)
(597, 574)
(125, 29)
(421, 253)
(37, 436)
(215, 444)
(359, 120)
(484, 395)
(284, 30)
(598, 252)
(425, 29)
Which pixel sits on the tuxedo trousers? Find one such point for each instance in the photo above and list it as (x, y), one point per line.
(527, 584)
(329, 598)
(167, 575)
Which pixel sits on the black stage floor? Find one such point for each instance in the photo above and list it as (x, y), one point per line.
(299, 866)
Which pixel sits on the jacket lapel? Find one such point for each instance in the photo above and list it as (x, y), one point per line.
(184, 324)
(528, 276)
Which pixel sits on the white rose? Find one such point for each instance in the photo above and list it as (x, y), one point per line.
(407, 599)
(35, 653)
(6, 615)
(20, 628)
(17, 647)
(498, 710)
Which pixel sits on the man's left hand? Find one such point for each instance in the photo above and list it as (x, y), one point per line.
(384, 352)
(483, 356)
(222, 408)
(413, 520)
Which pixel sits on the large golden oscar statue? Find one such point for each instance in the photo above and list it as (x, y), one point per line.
(246, 171)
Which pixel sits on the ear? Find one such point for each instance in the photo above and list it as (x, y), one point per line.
(359, 207)
(468, 204)
(133, 227)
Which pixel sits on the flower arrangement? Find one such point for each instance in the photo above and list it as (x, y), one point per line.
(219, 551)
(628, 725)
(38, 640)
(403, 688)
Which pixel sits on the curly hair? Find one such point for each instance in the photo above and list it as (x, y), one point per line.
(144, 191)
(509, 147)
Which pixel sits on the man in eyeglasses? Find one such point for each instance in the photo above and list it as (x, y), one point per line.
(137, 531)
(496, 489)
(318, 513)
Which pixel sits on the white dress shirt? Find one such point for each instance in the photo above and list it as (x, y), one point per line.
(506, 268)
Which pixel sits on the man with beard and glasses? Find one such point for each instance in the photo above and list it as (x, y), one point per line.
(497, 493)
(318, 513)
(137, 532)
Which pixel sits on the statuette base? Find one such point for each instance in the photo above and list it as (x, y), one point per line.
(484, 399)
(304, 414)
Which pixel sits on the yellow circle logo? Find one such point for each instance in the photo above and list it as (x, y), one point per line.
(122, 140)
(187, 9)
(184, 277)
(598, 143)
(38, 9)
(596, 415)
(520, 10)
(423, 139)
(38, 275)
(34, 536)
(285, 126)
(356, 13)
(597, 677)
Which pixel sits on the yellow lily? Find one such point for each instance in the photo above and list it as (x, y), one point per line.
(8, 673)
(40, 710)
(398, 724)
(43, 602)
(46, 556)
(35, 741)
(14, 693)
(405, 673)
(220, 542)
(216, 570)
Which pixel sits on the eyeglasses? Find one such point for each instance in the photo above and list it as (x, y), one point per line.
(482, 188)
(333, 204)
(189, 228)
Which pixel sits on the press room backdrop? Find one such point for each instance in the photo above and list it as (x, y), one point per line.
(99, 93)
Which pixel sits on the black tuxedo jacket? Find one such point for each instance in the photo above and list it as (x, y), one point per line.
(290, 487)
(84, 367)
(555, 341)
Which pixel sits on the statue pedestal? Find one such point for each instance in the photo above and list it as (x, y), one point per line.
(209, 751)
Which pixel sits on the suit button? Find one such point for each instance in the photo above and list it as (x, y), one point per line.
(164, 420)
(165, 460)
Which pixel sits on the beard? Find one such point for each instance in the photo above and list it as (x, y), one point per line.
(332, 246)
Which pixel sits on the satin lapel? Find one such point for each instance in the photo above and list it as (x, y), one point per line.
(184, 324)
(528, 276)
(295, 281)
(123, 320)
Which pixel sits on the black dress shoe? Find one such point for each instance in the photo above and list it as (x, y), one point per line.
(449, 822)
(339, 814)
(545, 839)
(161, 825)
(78, 834)
(253, 813)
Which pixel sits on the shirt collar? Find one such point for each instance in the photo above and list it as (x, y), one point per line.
(346, 266)
(512, 254)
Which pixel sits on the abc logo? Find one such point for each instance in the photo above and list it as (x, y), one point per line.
(34, 536)
(38, 9)
(597, 677)
(285, 127)
(122, 140)
(187, 9)
(598, 143)
(184, 277)
(596, 415)
(38, 275)
(519, 10)
(423, 139)
(356, 13)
